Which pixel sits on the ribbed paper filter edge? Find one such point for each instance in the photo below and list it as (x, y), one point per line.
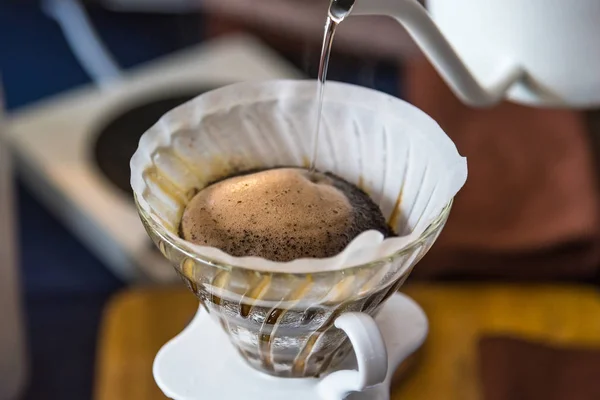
(389, 148)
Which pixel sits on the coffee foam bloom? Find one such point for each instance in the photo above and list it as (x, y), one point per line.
(392, 150)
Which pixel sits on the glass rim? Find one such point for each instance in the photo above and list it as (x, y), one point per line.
(164, 235)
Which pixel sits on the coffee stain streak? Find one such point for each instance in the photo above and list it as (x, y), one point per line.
(221, 280)
(393, 221)
(190, 168)
(361, 172)
(374, 282)
(366, 275)
(395, 215)
(190, 269)
(177, 164)
(303, 358)
(256, 293)
(167, 187)
(372, 302)
(245, 307)
(275, 317)
(264, 342)
(162, 248)
(385, 166)
(305, 161)
(342, 290)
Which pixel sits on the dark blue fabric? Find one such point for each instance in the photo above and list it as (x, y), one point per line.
(36, 62)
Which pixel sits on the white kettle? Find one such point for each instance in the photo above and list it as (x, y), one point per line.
(542, 53)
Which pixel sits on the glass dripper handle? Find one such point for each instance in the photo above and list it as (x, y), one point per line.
(371, 357)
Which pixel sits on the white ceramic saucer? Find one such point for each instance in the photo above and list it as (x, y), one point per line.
(200, 363)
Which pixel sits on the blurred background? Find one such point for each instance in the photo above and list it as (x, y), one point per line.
(82, 80)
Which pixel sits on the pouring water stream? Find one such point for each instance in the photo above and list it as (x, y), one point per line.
(338, 11)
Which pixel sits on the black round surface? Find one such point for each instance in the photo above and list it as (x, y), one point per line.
(118, 139)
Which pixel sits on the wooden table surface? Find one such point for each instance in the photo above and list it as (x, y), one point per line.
(138, 322)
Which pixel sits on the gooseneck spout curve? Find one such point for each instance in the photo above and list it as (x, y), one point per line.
(426, 34)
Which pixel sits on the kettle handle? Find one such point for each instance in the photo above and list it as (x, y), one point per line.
(426, 34)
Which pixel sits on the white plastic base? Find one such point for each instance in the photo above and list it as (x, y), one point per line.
(200, 363)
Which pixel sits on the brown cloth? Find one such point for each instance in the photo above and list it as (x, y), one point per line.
(529, 209)
(513, 369)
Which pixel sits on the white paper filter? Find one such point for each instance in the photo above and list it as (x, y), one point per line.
(394, 151)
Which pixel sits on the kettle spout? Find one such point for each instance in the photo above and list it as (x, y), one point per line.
(426, 34)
